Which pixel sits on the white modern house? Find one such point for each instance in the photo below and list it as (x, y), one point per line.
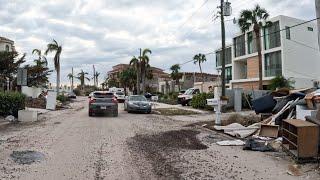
(6, 44)
(289, 48)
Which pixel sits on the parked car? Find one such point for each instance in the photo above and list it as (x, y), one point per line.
(120, 96)
(103, 103)
(186, 98)
(137, 103)
(72, 95)
(182, 92)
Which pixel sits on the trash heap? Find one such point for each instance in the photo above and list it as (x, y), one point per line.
(290, 121)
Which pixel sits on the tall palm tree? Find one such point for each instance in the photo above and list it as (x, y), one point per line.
(144, 61)
(257, 17)
(135, 63)
(82, 76)
(175, 74)
(96, 78)
(57, 49)
(198, 59)
(41, 60)
(71, 76)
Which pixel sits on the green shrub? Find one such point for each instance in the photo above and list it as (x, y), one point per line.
(62, 98)
(11, 103)
(199, 101)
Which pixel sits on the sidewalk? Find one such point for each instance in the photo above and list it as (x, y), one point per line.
(158, 105)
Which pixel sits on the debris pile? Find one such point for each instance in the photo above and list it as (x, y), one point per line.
(290, 120)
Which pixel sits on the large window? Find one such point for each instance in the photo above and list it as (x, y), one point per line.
(228, 57)
(228, 74)
(7, 48)
(252, 46)
(272, 36)
(272, 64)
(239, 46)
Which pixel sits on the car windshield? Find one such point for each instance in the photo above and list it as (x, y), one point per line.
(119, 93)
(137, 98)
(102, 95)
(189, 91)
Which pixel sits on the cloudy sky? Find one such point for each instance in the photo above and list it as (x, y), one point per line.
(107, 32)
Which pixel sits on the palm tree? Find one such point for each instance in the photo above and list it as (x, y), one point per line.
(71, 76)
(42, 60)
(136, 65)
(256, 17)
(95, 78)
(144, 61)
(175, 74)
(127, 79)
(82, 77)
(57, 49)
(198, 59)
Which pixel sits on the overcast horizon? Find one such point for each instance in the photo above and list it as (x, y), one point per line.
(107, 32)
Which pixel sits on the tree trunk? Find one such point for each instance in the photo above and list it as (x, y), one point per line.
(143, 75)
(138, 79)
(58, 80)
(258, 43)
(201, 76)
(72, 80)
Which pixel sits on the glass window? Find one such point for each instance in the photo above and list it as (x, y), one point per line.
(239, 46)
(228, 57)
(288, 36)
(273, 64)
(252, 47)
(310, 29)
(228, 74)
(272, 36)
(7, 48)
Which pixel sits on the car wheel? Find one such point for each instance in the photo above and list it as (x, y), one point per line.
(90, 114)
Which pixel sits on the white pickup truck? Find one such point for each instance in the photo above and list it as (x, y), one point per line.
(186, 98)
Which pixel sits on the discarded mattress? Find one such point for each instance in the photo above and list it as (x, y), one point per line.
(237, 130)
(231, 143)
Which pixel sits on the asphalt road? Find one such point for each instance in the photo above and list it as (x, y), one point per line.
(131, 146)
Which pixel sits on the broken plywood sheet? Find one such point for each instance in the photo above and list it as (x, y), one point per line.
(237, 130)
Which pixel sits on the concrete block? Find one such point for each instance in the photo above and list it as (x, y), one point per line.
(27, 116)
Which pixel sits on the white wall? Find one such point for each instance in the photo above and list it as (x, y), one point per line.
(301, 55)
(3, 46)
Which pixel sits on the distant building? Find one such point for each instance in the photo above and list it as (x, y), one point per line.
(188, 80)
(289, 52)
(6, 44)
(150, 83)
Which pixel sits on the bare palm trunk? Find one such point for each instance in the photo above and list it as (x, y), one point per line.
(72, 80)
(138, 79)
(143, 77)
(258, 43)
(58, 80)
(201, 76)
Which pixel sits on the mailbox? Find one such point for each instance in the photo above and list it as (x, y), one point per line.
(212, 102)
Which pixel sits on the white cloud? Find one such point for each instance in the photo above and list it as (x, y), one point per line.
(106, 32)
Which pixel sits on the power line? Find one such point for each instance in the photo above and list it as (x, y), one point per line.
(205, 2)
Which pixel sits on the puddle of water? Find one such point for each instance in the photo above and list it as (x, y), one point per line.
(27, 157)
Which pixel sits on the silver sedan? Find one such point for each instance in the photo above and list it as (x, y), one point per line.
(137, 103)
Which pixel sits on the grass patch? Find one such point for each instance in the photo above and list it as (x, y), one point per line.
(175, 112)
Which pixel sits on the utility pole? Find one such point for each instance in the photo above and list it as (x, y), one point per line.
(318, 20)
(223, 51)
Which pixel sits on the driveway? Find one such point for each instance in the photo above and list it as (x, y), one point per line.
(131, 146)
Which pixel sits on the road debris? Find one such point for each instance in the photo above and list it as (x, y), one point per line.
(231, 143)
(27, 157)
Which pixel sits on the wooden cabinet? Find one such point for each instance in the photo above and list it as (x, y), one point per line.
(300, 138)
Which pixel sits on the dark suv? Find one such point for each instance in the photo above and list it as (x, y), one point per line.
(103, 103)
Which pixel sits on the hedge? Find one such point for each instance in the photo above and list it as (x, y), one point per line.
(11, 103)
(199, 101)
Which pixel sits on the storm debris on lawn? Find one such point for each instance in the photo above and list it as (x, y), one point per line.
(238, 130)
(175, 112)
(231, 143)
